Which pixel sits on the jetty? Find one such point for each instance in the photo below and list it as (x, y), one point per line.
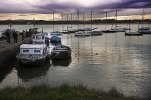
(8, 51)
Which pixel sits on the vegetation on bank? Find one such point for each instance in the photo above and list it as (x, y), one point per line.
(39, 22)
(64, 92)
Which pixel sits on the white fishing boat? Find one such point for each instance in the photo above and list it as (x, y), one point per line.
(33, 54)
(82, 33)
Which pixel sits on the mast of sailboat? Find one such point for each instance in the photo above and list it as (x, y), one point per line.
(106, 19)
(142, 18)
(33, 22)
(129, 25)
(83, 20)
(116, 18)
(91, 17)
(71, 19)
(62, 22)
(53, 14)
(67, 23)
(78, 17)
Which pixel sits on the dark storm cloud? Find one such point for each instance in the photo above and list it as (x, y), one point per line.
(72, 7)
(133, 4)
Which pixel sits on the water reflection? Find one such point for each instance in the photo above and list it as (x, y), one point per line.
(64, 63)
(4, 72)
(30, 72)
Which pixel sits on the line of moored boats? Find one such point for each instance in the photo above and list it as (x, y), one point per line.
(44, 46)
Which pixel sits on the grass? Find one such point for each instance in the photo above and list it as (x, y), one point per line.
(63, 92)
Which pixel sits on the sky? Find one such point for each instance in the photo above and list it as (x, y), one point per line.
(43, 9)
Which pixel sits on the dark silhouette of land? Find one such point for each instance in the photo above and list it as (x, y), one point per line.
(29, 22)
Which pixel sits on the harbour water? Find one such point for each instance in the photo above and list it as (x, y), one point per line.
(99, 62)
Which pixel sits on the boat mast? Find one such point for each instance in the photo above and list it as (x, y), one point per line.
(78, 17)
(71, 19)
(67, 23)
(83, 20)
(116, 18)
(53, 13)
(142, 19)
(63, 22)
(106, 20)
(34, 22)
(91, 17)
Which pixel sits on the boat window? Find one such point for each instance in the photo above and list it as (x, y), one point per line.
(33, 37)
(37, 51)
(25, 50)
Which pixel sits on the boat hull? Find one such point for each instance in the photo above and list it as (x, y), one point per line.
(108, 31)
(133, 34)
(31, 61)
(145, 31)
(61, 52)
(96, 33)
(61, 55)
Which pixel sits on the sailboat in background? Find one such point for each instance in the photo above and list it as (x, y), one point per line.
(93, 32)
(108, 30)
(118, 28)
(144, 30)
(129, 33)
(82, 31)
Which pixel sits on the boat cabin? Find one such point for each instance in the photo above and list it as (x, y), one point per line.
(33, 49)
(39, 38)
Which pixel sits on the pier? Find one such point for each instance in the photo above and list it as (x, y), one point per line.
(8, 51)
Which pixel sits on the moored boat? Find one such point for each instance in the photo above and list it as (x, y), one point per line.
(133, 34)
(32, 54)
(109, 31)
(145, 30)
(61, 52)
(82, 33)
(95, 33)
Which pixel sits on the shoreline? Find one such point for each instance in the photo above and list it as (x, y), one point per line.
(40, 22)
(63, 92)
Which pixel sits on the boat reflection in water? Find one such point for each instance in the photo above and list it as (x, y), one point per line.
(4, 72)
(32, 72)
(63, 63)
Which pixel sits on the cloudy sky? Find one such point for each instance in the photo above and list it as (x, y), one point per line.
(42, 9)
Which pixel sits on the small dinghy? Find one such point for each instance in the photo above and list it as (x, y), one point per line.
(61, 52)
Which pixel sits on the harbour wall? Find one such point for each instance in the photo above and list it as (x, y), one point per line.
(8, 53)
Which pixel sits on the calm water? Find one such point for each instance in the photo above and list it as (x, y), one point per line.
(110, 60)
